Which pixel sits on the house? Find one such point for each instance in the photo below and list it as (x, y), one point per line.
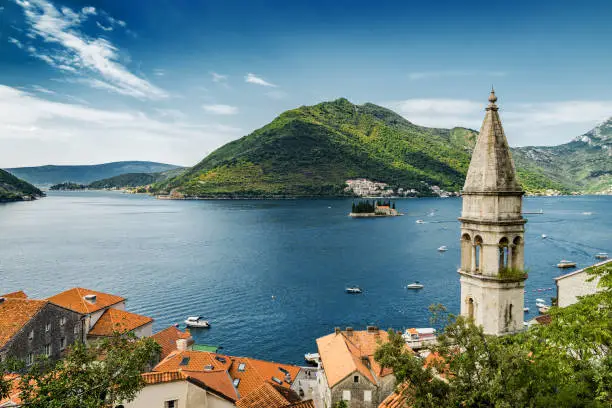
(253, 380)
(185, 389)
(349, 371)
(104, 309)
(577, 283)
(30, 327)
(171, 339)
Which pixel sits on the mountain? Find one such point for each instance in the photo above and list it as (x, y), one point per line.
(135, 179)
(584, 164)
(14, 189)
(49, 175)
(313, 150)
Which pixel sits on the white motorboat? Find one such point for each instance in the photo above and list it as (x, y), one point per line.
(544, 236)
(420, 222)
(415, 285)
(197, 321)
(566, 264)
(312, 358)
(538, 300)
(443, 248)
(354, 290)
(526, 309)
(601, 255)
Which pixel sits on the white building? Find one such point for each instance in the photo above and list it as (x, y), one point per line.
(575, 284)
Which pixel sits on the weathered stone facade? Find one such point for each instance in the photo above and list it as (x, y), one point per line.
(492, 233)
(360, 389)
(49, 332)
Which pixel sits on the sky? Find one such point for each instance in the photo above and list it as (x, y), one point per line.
(85, 82)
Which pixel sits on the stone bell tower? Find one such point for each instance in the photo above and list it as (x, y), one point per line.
(492, 228)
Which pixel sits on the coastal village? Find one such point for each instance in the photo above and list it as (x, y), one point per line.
(190, 375)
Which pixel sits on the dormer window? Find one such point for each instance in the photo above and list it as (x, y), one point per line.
(242, 367)
(236, 382)
(184, 361)
(276, 380)
(208, 367)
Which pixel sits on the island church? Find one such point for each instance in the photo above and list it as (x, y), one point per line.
(492, 233)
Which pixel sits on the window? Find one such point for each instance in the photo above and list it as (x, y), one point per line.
(236, 382)
(184, 361)
(29, 359)
(171, 404)
(242, 367)
(367, 396)
(208, 367)
(76, 329)
(346, 395)
(356, 378)
(47, 350)
(278, 381)
(220, 359)
(62, 343)
(62, 321)
(48, 327)
(31, 335)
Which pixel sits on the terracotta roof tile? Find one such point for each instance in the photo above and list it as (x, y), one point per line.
(257, 372)
(167, 339)
(16, 313)
(13, 395)
(342, 354)
(17, 295)
(74, 299)
(216, 381)
(399, 399)
(266, 395)
(193, 361)
(115, 320)
(302, 404)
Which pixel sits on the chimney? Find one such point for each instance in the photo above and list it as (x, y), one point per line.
(91, 299)
(337, 330)
(372, 329)
(2, 300)
(349, 331)
(183, 344)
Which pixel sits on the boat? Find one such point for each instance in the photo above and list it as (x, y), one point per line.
(443, 248)
(312, 358)
(541, 304)
(420, 222)
(419, 337)
(415, 285)
(540, 300)
(196, 321)
(587, 213)
(566, 264)
(526, 309)
(543, 309)
(601, 255)
(544, 236)
(353, 290)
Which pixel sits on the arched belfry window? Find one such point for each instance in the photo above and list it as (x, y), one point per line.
(516, 251)
(504, 253)
(466, 252)
(470, 307)
(477, 254)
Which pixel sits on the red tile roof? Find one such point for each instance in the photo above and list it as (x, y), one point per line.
(216, 381)
(167, 339)
(115, 320)
(302, 404)
(268, 396)
(17, 295)
(194, 361)
(74, 299)
(15, 313)
(257, 372)
(13, 395)
(399, 399)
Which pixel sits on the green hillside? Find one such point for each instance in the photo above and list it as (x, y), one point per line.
(313, 150)
(14, 189)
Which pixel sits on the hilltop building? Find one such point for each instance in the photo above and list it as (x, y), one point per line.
(349, 371)
(492, 229)
(575, 284)
(30, 327)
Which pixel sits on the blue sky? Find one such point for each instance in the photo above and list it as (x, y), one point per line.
(171, 80)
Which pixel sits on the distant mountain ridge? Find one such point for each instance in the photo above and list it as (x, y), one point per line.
(14, 189)
(85, 174)
(313, 150)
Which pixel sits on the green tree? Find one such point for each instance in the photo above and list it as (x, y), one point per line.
(96, 376)
(564, 364)
(341, 404)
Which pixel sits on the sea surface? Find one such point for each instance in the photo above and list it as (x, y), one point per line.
(270, 275)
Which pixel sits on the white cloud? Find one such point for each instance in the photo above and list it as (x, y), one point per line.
(15, 41)
(70, 50)
(41, 89)
(89, 11)
(443, 74)
(220, 109)
(159, 72)
(104, 27)
(34, 131)
(253, 79)
(546, 123)
(218, 77)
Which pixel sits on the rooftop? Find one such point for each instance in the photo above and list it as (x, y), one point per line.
(15, 313)
(115, 320)
(217, 382)
(16, 295)
(167, 339)
(74, 299)
(269, 396)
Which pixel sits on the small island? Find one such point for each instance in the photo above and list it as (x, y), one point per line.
(375, 208)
